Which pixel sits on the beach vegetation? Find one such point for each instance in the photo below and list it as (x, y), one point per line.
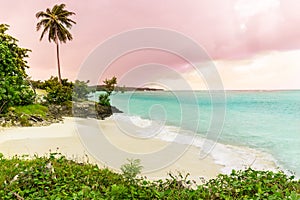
(56, 93)
(26, 115)
(59, 93)
(15, 89)
(32, 109)
(56, 22)
(131, 169)
(80, 90)
(109, 87)
(55, 177)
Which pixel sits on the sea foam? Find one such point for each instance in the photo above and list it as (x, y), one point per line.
(229, 156)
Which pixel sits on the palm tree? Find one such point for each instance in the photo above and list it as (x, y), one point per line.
(56, 23)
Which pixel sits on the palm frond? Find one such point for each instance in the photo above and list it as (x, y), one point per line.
(56, 23)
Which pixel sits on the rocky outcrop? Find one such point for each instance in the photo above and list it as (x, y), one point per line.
(93, 110)
(19, 120)
(56, 112)
(105, 111)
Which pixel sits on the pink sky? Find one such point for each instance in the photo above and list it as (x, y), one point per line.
(231, 31)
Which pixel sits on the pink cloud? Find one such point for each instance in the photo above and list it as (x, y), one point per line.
(214, 24)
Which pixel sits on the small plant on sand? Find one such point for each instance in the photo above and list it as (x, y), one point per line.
(131, 169)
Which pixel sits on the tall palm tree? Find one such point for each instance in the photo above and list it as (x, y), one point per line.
(56, 23)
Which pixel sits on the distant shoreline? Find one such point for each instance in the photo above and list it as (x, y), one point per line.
(131, 89)
(124, 89)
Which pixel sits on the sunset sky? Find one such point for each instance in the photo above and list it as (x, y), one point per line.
(254, 44)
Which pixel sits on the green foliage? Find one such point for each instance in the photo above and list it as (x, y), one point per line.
(109, 87)
(104, 100)
(58, 93)
(14, 88)
(252, 184)
(81, 90)
(26, 115)
(55, 177)
(131, 169)
(56, 22)
(37, 84)
(33, 109)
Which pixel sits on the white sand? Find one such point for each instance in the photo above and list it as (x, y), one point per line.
(79, 139)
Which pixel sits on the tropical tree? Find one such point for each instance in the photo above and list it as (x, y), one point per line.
(56, 23)
(109, 87)
(14, 86)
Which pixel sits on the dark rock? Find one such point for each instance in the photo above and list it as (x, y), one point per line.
(106, 111)
(36, 118)
(58, 111)
(93, 110)
(84, 109)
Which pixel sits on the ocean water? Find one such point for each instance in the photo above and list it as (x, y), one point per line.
(259, 127)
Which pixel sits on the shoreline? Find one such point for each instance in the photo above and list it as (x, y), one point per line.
(229, 156)
(64, 138)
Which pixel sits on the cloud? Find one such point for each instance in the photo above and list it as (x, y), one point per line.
(271, 70)
(228, 29)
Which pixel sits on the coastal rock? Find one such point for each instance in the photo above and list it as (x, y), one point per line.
(93, 110)
(84, 109)
(105, 111)
(57, 112)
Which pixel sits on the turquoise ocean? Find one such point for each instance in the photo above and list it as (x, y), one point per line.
(259, 127)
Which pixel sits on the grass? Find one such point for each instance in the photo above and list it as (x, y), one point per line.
(27, 115)
(55, 177)
(34, 109)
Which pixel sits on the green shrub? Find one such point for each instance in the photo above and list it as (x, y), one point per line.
(14, 87)
(104, 100)
(131, 169)
(81, 90)
(251, 184)
(62, 93)
(109, 87)
(55, 177)
(58, 93)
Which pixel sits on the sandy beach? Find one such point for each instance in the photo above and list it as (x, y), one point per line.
(157, 156)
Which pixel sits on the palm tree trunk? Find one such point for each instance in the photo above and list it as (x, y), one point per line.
(58, 63)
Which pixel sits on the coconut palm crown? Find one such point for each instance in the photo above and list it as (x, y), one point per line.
(56, 23)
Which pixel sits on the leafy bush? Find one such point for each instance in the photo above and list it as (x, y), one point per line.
(14, 88)
(37, 84)
(81, 90)
(109, 87)
(131, 169)
(104, 100)
(55, 177)
(58, 93)
(249, 184)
